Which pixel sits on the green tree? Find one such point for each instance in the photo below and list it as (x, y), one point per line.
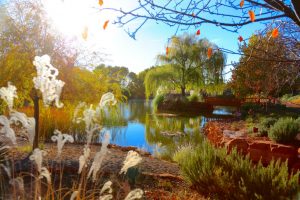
(186, 64)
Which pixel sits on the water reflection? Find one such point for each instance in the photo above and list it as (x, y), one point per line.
(157, 132)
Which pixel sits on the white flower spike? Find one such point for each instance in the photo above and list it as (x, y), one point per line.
(107, 98)
(7, 130)
(8, 94)
(132, 159)
(106, 197)
(46, 81)
(134, 194)
(37, 157)
(61, 139)
(99, 157)
(106, 187)
(84, 158)
(45, 173)
(27, 122)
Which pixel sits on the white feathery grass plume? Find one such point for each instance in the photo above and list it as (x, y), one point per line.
(8, 94)
(99, 157)
(89, 117)
(4, 147)
(18, 184)
(45, 173)
(107, 98)
(46, 80)
(74, 195)
(30, 129)
(37, 157)
(131, 160)
(77, 119)
(61, 139)
(106, 197)
(134, 194)
(7, 130)
(18, 118)
(83, 158)
(106, 186)
(27, 122)
(90, 134)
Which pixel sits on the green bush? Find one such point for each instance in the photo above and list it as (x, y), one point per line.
(265, 124)
(194, 98)
(220, 176)
(284, 130)
(298, 121)
(286, 97)
(158, 99)
(289, 97)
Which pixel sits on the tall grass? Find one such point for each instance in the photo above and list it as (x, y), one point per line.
(52, 118)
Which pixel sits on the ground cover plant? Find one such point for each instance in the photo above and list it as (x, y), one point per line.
(220, 175)
(284, 130)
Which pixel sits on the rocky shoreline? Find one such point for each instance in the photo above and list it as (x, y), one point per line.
(258, 148)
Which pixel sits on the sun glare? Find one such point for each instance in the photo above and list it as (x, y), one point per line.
(69, 16)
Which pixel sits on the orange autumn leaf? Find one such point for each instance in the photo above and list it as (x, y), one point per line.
(242, 3)
(275, 33)
(167, 50)
(85, 33)
(251, 15)
(198, 32)
(100, 2)
(193, 14)
(209, 52)
(105, 24)
(240, 38)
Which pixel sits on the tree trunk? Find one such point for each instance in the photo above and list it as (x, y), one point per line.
(36, 117)
(183, 91)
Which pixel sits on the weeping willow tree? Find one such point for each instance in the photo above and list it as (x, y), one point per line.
(187, 65)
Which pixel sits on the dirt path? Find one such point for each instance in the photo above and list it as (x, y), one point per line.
(161, 180)
(112, 162)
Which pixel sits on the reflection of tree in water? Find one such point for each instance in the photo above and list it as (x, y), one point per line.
(138, 110)
(171, 133)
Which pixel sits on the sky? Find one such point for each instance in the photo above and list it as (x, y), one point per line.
(70, 17)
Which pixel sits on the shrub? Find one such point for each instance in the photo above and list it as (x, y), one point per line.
(158, 99)
(265, 124)
(220, 176)
(286, 97)
(194, 98)
(284, 130)
(298, 121)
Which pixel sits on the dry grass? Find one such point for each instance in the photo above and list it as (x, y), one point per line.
(296, 101)
(52, 118)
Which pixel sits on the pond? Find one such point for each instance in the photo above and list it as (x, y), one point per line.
(147, 130)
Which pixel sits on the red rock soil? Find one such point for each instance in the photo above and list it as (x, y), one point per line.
(163, 180)
(259, 148)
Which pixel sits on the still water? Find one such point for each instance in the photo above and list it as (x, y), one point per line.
(143, 128)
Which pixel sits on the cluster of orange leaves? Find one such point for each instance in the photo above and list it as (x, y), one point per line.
(251, 13)
(86, 30)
